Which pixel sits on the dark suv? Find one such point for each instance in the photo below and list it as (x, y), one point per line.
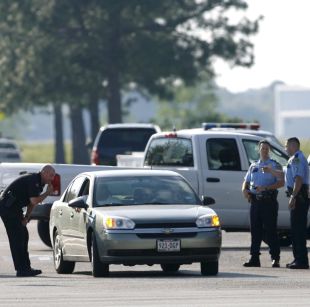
(115, 139)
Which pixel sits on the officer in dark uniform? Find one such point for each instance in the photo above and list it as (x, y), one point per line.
(297, 183)
(260, 189)
(24, 191)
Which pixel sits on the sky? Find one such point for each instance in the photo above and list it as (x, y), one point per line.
(281, 48)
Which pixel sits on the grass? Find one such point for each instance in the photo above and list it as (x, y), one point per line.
(42, 152)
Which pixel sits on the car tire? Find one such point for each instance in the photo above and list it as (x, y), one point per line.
(99, 269)
(44, 232)
(170, 267)
(61, 266)
(209, 268)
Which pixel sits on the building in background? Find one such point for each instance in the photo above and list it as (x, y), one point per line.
(292, 112)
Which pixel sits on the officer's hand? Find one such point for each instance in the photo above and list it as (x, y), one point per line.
(291, 203)
(25, 221)
(267, 168)
(50, 189)
(260, 188)
(246, 195)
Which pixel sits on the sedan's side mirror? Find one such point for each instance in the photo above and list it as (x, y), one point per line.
(207, 201)
(78, 202)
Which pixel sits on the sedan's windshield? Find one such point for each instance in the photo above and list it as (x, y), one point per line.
(143, 190)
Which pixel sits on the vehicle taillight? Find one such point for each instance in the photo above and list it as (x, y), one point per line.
(95, 157)
(56, 183)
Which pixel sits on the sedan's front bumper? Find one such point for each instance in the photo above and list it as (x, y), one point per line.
(140, 246)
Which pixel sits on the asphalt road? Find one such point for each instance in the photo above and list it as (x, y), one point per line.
(149, 286)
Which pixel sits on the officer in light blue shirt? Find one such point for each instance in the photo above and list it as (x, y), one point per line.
(297, 183)
(260, 189)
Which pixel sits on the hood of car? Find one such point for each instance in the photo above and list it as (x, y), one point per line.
(157, 213)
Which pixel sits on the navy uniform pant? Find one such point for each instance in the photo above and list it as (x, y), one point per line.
(18, 238)
(299, 230)
(263, 219)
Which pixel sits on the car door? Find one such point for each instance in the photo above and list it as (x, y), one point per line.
(223, 173)
(79, 218)
(66, 216)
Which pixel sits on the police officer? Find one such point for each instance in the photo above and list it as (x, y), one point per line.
(24, 191)
(260, 189)
(297, 183)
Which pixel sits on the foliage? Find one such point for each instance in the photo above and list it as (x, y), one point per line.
(191, 107)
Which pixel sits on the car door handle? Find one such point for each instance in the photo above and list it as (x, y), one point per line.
(212, 179)
(60, 212)
(71, 214)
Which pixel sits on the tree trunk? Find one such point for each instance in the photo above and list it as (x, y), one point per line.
(94, 117)
(59, 140)
(113, 67)
(79, 149)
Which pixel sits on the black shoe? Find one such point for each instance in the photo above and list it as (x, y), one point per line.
(253, 262)
(298, 266)
(289, 264)
(275, 263)
(28, 273)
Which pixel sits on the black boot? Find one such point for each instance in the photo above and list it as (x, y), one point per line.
(253, 262)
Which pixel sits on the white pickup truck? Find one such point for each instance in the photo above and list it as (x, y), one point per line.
(215, 163)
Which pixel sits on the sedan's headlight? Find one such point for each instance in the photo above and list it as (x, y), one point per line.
(208, 221)
(116, 222)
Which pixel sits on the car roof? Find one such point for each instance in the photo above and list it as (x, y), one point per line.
(131, 172)
(198, 131)
(130, 126)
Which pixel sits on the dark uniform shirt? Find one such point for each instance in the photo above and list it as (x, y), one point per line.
(25, 187)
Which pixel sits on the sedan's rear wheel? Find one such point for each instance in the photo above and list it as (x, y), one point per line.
(170, 267)
(61, 266)
(99, 269)
(209, 268)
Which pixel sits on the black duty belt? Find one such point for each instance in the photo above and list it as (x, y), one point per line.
(265, 195)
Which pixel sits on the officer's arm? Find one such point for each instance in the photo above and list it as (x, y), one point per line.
(245, 189)
(297, 185)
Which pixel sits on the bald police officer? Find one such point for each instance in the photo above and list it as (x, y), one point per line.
(260, 189)
(25, 191)
(297, 183)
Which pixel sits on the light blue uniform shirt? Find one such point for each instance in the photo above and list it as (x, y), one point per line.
(297, 166)
(255, 176)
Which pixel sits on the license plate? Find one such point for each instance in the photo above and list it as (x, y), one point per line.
(168, 245)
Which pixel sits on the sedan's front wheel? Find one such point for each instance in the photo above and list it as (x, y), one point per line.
(61, 266)
(99, 269)
(209, 268)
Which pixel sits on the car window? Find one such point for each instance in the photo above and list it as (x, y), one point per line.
(74, 190)
(143, 190)
(170, 152)
(7, 146)
(252, 152)
(223, 154)
(122, 141)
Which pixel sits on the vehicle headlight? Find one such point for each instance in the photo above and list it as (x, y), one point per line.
(208, 221)
(116, 222)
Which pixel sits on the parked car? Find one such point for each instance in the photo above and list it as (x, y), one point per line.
(133, 217)
(116, 139)
(9, 151)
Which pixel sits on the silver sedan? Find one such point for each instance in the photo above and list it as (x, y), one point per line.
(133, 217)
